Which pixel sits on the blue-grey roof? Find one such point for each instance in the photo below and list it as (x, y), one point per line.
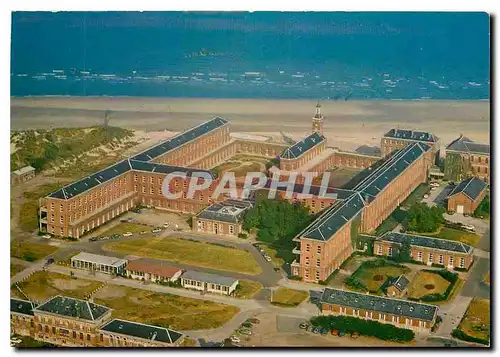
(302, 146)
(397, 307)
(92, 181)
(427, 242)
(208, 278)
(464, 144)
(400, 283)
(140, 161)
(180, 139)
(379, 179)
(146, 332)
(411, 135)
(75, 308)
(165, 169)
(230, 211)
(315, 190)
(21, 306)
(334, 218)
(471, 187)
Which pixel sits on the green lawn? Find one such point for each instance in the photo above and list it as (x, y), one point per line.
(247, 289)
(28, 216)
(273, 254)
(416, 196)
(43, 285)
(190, 252)
(456, 235)
(121, 228)
(425, 283)
(391, 222)
(288, 297)
(165, 310)
(374, 277)
(30, 251)
(476, 322)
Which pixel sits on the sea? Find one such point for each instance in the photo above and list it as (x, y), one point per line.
(319, 55)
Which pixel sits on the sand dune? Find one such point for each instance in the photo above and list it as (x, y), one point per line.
(347, 124)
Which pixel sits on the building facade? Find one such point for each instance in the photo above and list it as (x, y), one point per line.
(223, 218)
(467, 195)
(317, 120)
(400, 313)
(396, 139)
(99, 263)
(22, 317)
(22, 175)
(426, 250)
(209, 283)
(141, 269)
(465, 158)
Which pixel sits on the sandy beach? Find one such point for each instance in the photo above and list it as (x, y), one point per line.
(347, 124)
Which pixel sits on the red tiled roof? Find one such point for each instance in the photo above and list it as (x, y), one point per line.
(152, 268)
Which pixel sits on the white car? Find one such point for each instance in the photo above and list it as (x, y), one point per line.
(426, 196)
(47, 236)
(235, 339)
(433, 188)
(268, 258)
(469, 227)
(15, 340)
(434, 184)
(128, 234)
(166, 225)
(156, 230)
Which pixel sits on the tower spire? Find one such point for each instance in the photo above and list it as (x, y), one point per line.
(317, 120)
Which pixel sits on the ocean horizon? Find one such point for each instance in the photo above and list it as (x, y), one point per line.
(261, 55)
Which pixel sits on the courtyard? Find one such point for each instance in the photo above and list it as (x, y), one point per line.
(426, 283)
(167, 310)
(373, 274)
(190, 252)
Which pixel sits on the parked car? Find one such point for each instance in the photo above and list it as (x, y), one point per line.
(355, 335)
(245, 331)
(115, 236)
(15, 340)
(334, 332)
(128, 234)
(434, 184)
(246, 324)
(253, 320)
(433, 188)
(94, 239)
(324, 331)
(104, 238)
(156, 230)
(49, 261)
(235, 339)
(47, 236)
(341, 334)
(316, 330)
(268, 258)
(144, 232)
(166, 225)
(303, 326)
(426, 196)
(469, 227)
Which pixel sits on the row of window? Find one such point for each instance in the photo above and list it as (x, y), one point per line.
(420, 256)
(381, 317)
(308, 248)
(209, 285)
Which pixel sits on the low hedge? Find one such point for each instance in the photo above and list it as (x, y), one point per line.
(355, 283)
(370, 328)
(457, 333)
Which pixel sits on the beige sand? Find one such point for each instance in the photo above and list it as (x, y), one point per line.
(347, 124)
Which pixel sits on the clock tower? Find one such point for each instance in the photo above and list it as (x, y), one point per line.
(317, 120)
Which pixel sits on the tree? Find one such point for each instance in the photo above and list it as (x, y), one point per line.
(404, 254)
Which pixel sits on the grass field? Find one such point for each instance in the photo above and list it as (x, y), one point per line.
(288, 297)
(456, 235)
(425, 283)
(477, 319)
(165, 310)
(247, 289)
(338, 177)
(127, 227)
(373, 278)
(43, 285)
(15, 268)
(30, 251)
(190, 252)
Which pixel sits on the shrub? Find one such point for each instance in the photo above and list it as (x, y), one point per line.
(457, 333)
(242, 235)
(376, 329)
(354, 283)
(295, 277)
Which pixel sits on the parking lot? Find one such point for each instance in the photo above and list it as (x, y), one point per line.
(437, 195)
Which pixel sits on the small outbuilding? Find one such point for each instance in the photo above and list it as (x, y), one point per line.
(141, 269)
(99, 263)
(210, 283)
(398, 286)
(467, 195)
(24, 174)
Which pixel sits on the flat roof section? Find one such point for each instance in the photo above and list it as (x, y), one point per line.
(143, 331)
(99, 259)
